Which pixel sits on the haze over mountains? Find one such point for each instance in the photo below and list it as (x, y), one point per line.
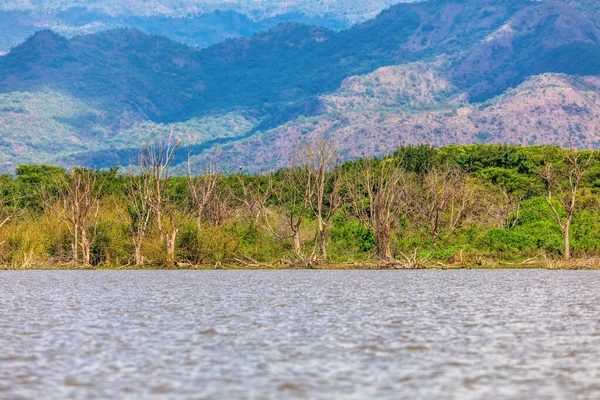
(194, 22)
(440, 72)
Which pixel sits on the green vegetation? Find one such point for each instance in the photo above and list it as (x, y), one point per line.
(50, 127)
(456, 206)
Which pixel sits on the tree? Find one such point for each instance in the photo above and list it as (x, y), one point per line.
(154, 164)
(445, 200)
(138, 196)
(506, 191)
(291, 197)
(254, 195)
(77, 204)
(563, 177)
(380, 193)
(210, 202)
(318, 180)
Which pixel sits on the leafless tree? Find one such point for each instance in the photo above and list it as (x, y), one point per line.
(154, 164)
(210, 202)
(319, 183)
(380, 192)
(291, 197)
(138, 195)
(445, 201)
(562, 179)
(254, 196)
(77, 204)
(504, 207)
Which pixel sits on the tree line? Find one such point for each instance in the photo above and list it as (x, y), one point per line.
(474, 202)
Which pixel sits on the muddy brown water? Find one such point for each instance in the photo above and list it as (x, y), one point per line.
(300, 334)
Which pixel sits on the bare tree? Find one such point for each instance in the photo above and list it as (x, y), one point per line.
(319, 182)
(210, 202)
(138, 195)
(77, 204)
(445, 200)
(254, 196)
(504, 207)
(380, 192)
(291, 197)
(154, 164)
(562, 185)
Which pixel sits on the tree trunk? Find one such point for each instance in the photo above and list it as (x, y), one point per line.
(86, 254)
(567, 241)
(297, 245)
(384, 246)
(139, 259)
(170, 243)
(75, 243)
(85, 248)
(321, 239)
(323, 245)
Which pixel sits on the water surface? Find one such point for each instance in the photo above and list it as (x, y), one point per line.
(300, 334)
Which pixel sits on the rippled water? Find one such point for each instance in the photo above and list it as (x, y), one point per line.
(300, 334)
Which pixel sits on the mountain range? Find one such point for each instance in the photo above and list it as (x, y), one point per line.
(351, 9)
(438, 71)
(194, 22)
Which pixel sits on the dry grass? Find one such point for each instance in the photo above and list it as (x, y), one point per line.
(586, 263)
(411, 261)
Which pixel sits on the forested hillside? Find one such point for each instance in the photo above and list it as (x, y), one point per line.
(439, 72)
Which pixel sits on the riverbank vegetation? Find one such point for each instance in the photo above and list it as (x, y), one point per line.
(457, 206)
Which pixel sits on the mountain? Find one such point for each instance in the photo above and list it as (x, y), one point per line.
(545, 109)
(439, 71)
(194, 22)
(200, 30)
(166, 81)
(351, 9)
(529, 43)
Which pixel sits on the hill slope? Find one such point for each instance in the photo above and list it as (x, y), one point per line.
(545, 109)
(167, 81)
(440, 71)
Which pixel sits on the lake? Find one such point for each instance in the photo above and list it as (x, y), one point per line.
(300, 334)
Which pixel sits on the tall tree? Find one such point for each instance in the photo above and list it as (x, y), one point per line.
(380, 192)
(77, 204)
(210, 201)
(563, 177)
(12, 203)
(318, 180)
(444, 200)
(291, 197)
(138, 196)
(154, 164)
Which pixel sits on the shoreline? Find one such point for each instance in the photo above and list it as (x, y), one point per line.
(574, 266)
